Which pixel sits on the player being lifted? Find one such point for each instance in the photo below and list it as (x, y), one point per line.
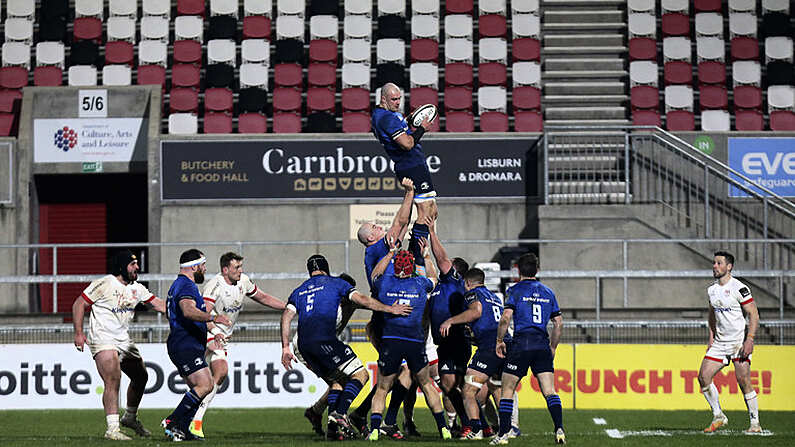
(224, 295)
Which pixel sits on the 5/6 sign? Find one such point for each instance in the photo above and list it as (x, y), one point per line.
(93, 104)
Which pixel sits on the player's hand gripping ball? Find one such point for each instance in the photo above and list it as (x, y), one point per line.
(424, 111)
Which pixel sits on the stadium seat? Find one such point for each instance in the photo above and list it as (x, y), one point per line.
(82, 75)
(222, 51)
(10, 100)
(13, 77)
(775, 6)
(356, 51)
(746, 72)
(642, 25)
(492, 25)
(707, 5)
(713, 97)
(676, 49)
(747, 97)
(458, 25)
(709, 24)
(223, 8)
(646, 118)
(55, 8)
(711, 72)
(391, 50)
(460, 50)
(780, 72)
(391, 26)
(154, 28)
(492, 73)
(9, 123)
(155, 52)
(16, 53)
(782, 120)
(459, 121)
(457, 98)
(320, 8)
(122, 28)
(255, 51)
(321, 122)
(52, 29)
(256, 27)
(19, 30)
(48, 76)
(355, 99)
(355, 122)
(185, 51)
(118, 75)
(494, 122)
(776, 24)
(151, 75)
(391, 72)
(710, 49)
(526, 6)
(642, 48)
(119, 52)
(527, 49)
(423, 95)
(222, 27)
(357, 27)
(742, 24)
(190, 8)
(358, 7)
(252, 122)
(288, 75)
(680, 120)
(356, 75)
(324, 27)
(291, 7)
(50, 53)
(459, 6)
(715, 120)
(183, 124)
(85, 52)
(425, 27)
(778, 48)
(526, 25)
(780, 97)
(492, 98)
(123, 8)
(424, 50)
(675, 24)
(217, 122)
(220, 75)
(319, 99)
(289, 51)
(424, 74)
(680, 6)
(492, 7)
(290, 27)
(643, 73)
(526, 98)
(526, 73)
(183, 100)
(748, 120)
(89, 8)
(744, 48)
(386, 7)
(644, 97)
(189, 28)
(252, 99)
(23, 9)
(286, 122)
(528, 121)
(218, 99)
(742, 6)
(253, 75)
(678, 72)
(158, 8)
(257, 7)
(286, 99)
(323, 50)
(679, 97)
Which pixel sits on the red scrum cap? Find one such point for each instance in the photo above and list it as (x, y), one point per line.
(404, 264)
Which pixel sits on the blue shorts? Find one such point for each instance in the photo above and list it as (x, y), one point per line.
(423, 185)
(187, 361)
(517, 362)
(454, 357)
(394, 351)
(325, 358)
(486, 361)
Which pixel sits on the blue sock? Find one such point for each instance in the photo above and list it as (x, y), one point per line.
(186, 409)
(352, 389)
(333, 398)
(417, 232)
(555, 410)
(506, 409)
(375, 421)
(398, 394)
(440, 422)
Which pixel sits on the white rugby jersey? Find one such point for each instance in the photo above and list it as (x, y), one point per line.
(112, 308)
(727, 301)
(228, 299)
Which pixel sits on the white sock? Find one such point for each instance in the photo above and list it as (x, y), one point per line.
(205, 403)
(113, 421)
(131, 412)
(451, 418)
(710, 393)
(753, 407)
(515, 414)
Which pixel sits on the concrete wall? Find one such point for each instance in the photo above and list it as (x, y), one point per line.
(14, 228)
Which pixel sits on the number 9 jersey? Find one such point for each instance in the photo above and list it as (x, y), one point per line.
(533, 304)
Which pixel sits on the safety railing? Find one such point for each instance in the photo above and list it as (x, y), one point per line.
(6, 173)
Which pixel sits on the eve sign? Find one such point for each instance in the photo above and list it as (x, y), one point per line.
(769, 162)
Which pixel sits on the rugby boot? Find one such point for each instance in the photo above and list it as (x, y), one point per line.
(514, 432)
(499, 440)
(116, 435)
(717, 422)
(392, 432)
(410, 429)
(315, 419)
(360, 423)
(754, 429)
(343, 424)
(560, 436)
(195, 429)
(133, 423)
(445, 432)
(468, 434)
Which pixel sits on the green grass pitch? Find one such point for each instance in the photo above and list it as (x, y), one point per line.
(287, 427)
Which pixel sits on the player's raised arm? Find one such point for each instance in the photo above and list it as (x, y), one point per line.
(79, 308)
(439, 252)
(380, 268)
(268, 300)
(400, 224)
(373, 304)
(157, 304)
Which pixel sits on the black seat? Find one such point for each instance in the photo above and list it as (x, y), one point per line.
(220, 75)
(390, 72)
(52, 29)
(84, 52)
(289, 50)
(776, 24)
(780, 73)
(252, 99)
(321, 122)
(324, 8)
(54, 8)
(222, 27)
(391, 26)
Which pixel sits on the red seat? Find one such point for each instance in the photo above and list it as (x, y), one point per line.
(493, 122)
(9, 125)
(458, 73)
(356, 122)
(256, 27)
(528, 121)
(642, 49)
(286, 122)
(459, 121)
(321, 74)
(782, 120)
(713, 97)
(190, 8)
(218, 99)
(288, 75)
(492, 25)
(711, 72)
(746, 119)
(356, 98)
(183, 100)
(526, 49)
(646, 118)
(286, 99)
(745, 48)
(13, 77)
(423, 95)
(526, 98)
(680, 120)
(185, 75)
(458, 98)
(678, 72)
(424, 50)
(492, 73)
(217, 122)
(10, 99)
(88, 28)
(323, 50)
(252, 123)
(707, 5)
(151, 75)
(50, 76)
(187, 52)
(319, 99)
(645, 97)
(459, 6)
(119, 52)
(675, 24)
(747, 97)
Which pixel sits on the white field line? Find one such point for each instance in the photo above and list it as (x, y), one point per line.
(613, 433)
(599, 421)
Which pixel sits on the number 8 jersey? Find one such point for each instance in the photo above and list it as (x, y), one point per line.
(485, 328)
(533, 304)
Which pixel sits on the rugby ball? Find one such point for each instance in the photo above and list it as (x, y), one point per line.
(424, 111)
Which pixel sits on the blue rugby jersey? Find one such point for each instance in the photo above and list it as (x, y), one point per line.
(485, 327)
(316, 301)
(387, 126)
(533, 304)
(447, 300)
(184, 333)
(412, 291)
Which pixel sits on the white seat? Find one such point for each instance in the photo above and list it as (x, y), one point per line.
(123, 28)
(189, 28)
(426, 7)
(123, 8)
(424, 74)
(676, 49)
(82, 75)
(742, 6)
(154, 28)
(89, 8)
(710, 49)
(291, 7)
(357, 27)
(50, 53)
(742, 24)
(290, 27)
(19, 30)
(778, 48)
(492, 7)
(116, 75)
(526, 25)
(493, 49)
(160, 8)
(425, 26)
(458, 50)
(678, 97)
(458, 25)
(255, 51)
(356, 75)
(390, 50)
(643, 73)
(258, 8)
(676, 6)
(715, 120)
(642, 25)
(324, 27)
(775, 6)
(780, 97)
(16, 54)
(356, 51)
(524, 7)
(21, 8)
(359, 7)
(526, 73)
(492, 99)
(183, 124)
(221, 51)
(746, 73)
(401, 107)
(254, 75)
(709, 24)
(223, 8)
(641, 6)
(152, 52)
(386, 7)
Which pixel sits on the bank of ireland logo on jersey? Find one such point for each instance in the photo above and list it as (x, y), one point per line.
(65, 138)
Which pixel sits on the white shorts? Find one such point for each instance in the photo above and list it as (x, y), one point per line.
(218, 354)
(126, 349)
(430, 351)
(296, 352)
(725, 352)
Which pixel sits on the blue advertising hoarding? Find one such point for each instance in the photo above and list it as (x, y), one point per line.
(770, 162)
